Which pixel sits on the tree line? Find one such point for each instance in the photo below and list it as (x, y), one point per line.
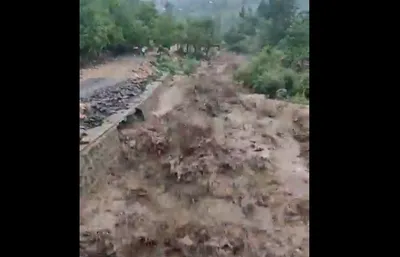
(117, 26)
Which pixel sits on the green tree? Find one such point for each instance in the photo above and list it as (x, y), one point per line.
(117, 26)
(165, 31)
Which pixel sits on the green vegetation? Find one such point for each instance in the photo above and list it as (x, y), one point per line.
(118, 26)
(186, 65)
(278, 35)
(274, 32)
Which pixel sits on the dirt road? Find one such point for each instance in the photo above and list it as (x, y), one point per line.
(212, 172)
(101, 76)
(110, 87)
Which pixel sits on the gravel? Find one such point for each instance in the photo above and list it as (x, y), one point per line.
(107, 101)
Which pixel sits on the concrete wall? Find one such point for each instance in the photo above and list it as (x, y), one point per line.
(103, 155)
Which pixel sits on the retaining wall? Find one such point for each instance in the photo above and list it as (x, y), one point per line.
(103, 154)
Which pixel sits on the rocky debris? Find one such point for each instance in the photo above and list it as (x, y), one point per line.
(82, 135)
(96, 244)
(107, 101)
(143, 72)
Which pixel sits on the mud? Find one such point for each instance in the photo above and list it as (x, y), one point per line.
(212, 171)
(119, 68)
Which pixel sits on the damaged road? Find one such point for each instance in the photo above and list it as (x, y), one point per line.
(106, 102)
(105, 96)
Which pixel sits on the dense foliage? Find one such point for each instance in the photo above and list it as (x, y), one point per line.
(117, 26)
(278, 34)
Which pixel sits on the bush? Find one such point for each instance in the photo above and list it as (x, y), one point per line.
(167, 64)
(175, 65)
(189, 66)
(299, 99)
(239, 48)
(266, 74)
(268, 83)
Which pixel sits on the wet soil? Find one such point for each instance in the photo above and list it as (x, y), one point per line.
(212, 171)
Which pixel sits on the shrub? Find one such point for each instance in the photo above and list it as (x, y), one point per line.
(189, 65)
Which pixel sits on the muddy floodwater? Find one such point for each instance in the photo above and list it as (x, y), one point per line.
(212, 171)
